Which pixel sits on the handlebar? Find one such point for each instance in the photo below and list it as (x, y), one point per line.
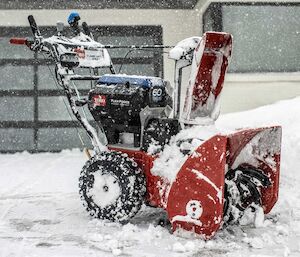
(26, 41)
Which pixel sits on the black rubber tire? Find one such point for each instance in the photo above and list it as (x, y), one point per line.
(131, 184)
(159, 133)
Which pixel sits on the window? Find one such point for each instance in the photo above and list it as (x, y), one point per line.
(34, 112)
(266, 35)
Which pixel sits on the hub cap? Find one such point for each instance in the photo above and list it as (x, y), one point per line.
(106, 189)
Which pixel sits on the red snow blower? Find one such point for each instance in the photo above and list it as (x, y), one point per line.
(150, 148)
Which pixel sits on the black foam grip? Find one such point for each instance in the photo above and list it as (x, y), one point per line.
(86, 29)
(33, 26)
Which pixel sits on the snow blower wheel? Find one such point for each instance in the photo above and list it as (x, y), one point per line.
(112, 187)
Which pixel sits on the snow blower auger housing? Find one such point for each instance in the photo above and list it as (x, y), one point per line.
(150, 148)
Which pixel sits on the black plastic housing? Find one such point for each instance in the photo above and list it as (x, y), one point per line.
(117, 104)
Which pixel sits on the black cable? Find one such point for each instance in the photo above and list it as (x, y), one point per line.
(124, 58)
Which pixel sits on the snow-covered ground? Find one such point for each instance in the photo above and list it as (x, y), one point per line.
(41, 214)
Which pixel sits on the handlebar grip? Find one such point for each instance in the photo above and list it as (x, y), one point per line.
(18, 41)
(86, 29)
(33, 26)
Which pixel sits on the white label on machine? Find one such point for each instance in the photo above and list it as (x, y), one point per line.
(94, 58)
(92, 55)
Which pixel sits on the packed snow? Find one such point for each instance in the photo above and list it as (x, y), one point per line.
(41, 213)
(184, 47)
(172, 158)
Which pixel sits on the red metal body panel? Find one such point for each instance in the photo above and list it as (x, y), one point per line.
(204, 80)
(195, 201)
(209, 66)
(263, 153)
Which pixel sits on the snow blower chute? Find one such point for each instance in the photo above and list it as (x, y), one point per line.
(149, 148)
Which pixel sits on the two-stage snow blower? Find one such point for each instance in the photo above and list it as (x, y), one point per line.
(150, 149)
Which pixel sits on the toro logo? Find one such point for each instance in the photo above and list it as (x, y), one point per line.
(80, 53)
(99, 100)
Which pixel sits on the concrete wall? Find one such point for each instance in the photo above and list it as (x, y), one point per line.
(241, 92)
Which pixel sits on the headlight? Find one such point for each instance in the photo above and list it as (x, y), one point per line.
(69, 60)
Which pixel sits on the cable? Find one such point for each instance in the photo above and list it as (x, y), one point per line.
(124, 58)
